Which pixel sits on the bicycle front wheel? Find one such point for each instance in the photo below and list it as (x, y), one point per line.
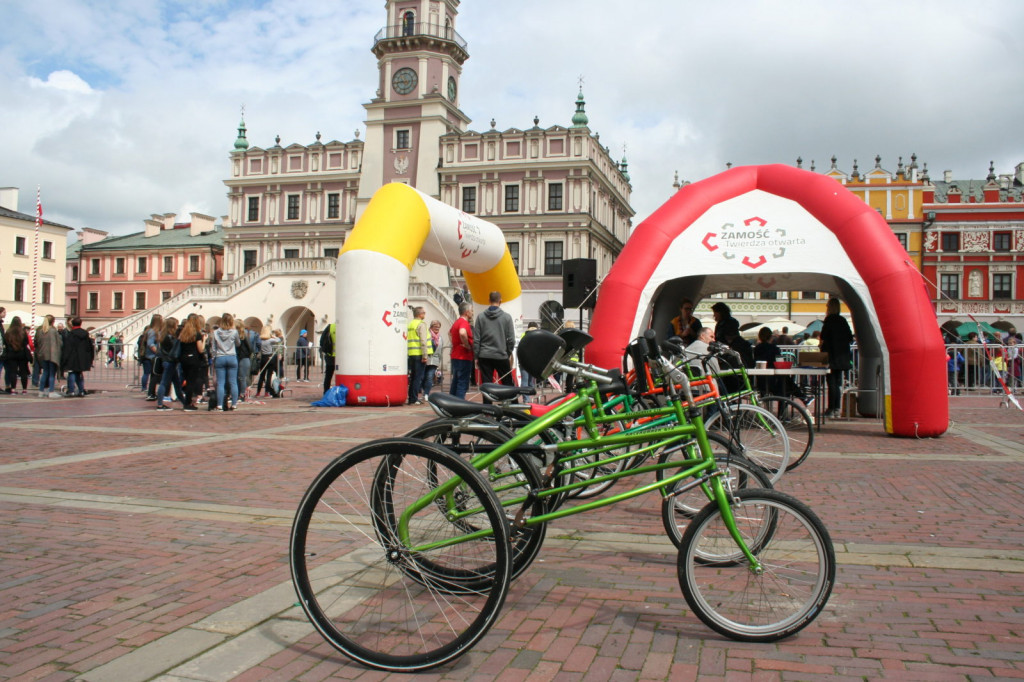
(787, 591)
(679, 509)
(761, 437)
(400, 555)
(798, 424)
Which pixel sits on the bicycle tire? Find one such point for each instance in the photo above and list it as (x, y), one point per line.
(798, 423)
(375, 598)
(798, 568)
(678, 510)
(511, 477)
(761, 437)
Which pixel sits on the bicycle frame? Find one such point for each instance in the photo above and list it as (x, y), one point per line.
(688, 424)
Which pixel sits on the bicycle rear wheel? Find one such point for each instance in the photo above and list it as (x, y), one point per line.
(512, 477)
(798, 424)
(388, 569)
(761, 437)
(788, 591)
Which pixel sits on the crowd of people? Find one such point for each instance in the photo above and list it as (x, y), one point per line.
(972, 364)
(215, 363)
(52, 352)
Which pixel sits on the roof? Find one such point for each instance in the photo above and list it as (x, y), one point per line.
(165, 239)
(17, 215)
(975, 188)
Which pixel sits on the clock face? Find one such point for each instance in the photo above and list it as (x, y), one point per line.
(453, 89)
(404, 81)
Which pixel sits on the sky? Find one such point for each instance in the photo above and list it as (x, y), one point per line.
(121, 109)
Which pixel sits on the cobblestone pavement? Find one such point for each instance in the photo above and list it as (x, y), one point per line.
(142, 545)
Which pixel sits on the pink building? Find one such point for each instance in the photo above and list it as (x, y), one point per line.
(123, 276)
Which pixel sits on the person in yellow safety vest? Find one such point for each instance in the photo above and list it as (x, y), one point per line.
(418, 339)
(328, 343)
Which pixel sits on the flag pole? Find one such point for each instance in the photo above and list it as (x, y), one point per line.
(35, 256)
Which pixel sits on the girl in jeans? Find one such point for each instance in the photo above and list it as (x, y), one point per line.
(225, 362)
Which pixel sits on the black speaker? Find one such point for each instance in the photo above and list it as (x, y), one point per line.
(579, 279)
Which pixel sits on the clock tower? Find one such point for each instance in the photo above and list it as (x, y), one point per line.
(419, 62)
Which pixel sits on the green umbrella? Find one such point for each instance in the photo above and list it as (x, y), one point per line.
(967, 327)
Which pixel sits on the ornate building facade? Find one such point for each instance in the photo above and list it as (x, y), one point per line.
(556, 192)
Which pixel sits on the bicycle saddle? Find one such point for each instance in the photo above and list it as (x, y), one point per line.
(457, 407)
(499, 392)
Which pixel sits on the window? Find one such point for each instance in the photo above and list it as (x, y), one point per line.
(74, 273)
(408, 23)
(291, 253)
(950, 286)
(47, 292)
(19, 289)
(769, 295)
(511, 198)
(141, 265)
(950, 241)
(555, 196)
(1001, 241)
(552, 258)
(254, 209)
(1002, 286)
(73, 307)
(168, 263)
(19, 246)
(48, 250)
(140, 300)
(469, 199)
(119, 266)
(164, 295)
(735, 294)
(248, 260)
(118, 302)
(334, 205)
(193, 263)
(94, 301)
(402, 139)
(513, 250)
(809, 295)
(94, 266)
(901, 237)
(293, 207)
(331, 253)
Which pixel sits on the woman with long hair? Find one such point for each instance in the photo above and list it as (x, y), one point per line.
(17, 355)
(193, 360)
(171, 361)
(225, 360)
(244, 353)
(149, 377)
(48, 351)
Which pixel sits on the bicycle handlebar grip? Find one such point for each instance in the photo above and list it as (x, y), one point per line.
(652, 344)
(674, 345)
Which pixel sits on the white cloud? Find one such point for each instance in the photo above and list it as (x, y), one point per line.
(63, 80)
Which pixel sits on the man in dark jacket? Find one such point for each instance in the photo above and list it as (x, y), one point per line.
(77, 357)
(836, 338)
(493, 342)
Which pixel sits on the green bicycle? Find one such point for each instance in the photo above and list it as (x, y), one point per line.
(401, 551)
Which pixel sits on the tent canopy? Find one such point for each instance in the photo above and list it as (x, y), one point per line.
(967, 327)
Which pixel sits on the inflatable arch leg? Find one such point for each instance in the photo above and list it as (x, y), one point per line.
(401, 224)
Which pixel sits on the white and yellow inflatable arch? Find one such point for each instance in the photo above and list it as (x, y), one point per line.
(401, 224)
